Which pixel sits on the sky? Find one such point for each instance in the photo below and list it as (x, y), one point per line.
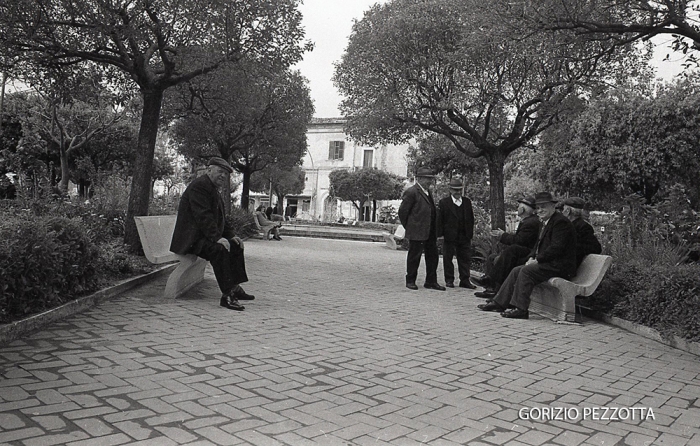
(328, 24)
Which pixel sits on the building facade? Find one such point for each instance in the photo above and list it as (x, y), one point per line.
(329, 148)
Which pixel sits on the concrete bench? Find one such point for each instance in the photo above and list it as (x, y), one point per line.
(155, 234)
(556, 298)
(393, 240)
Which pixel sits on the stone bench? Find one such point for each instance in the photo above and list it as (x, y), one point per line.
(393, 240)
(556, 298)
(156, 233)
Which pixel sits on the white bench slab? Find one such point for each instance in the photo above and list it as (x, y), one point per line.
(393, 240)
(556, 298)
(156, 233)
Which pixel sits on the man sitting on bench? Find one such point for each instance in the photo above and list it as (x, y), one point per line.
(554, 256)
(201, 229)
(267, 226)
(586, 241)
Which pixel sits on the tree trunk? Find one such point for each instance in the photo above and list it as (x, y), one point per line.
(245, 191)
(374, 210)
(498, 210)
(143, 167)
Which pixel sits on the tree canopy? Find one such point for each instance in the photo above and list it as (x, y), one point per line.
(249, 115)
(628, 141)
(484, 81)
(365, 185)
(156, 44)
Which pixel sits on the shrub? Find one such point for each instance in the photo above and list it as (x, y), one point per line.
(242, 222)
(44, 261)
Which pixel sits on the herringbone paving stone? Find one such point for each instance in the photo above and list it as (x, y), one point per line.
(335, 350)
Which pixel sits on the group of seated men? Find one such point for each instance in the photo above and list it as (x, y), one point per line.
(548, 243)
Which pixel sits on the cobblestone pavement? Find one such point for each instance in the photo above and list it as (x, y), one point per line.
(336, 351)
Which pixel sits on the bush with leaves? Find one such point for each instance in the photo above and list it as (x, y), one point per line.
(44, 261)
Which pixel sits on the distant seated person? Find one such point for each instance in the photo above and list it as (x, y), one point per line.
(276, 213)
(518, 247)
(265, 223)
(586, 241)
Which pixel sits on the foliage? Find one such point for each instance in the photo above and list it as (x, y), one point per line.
(285, 180)
(43, 261)
(626, 141)
(364, 185)
(250, 115)
(487, 81)
(156, 45)
(614, 24)
(388, 214)
(242, 223)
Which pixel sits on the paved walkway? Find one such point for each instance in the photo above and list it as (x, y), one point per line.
(336, 351)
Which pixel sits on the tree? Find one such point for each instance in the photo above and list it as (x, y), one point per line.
(455, 68)
(614, 24)
(249, 115)
(365, 184)
(157, 45)
(284, 180)
(628, 141)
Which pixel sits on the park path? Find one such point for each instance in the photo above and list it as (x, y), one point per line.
(336, 351)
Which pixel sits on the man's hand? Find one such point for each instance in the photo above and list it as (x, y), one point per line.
(238, 241)
(223, 241)
(531, 261)
(497, 232)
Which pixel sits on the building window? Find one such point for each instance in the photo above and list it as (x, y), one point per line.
(336, 150)
(367, 160)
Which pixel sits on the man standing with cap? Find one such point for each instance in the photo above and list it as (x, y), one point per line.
(455, 222)
(586, 241)
(201, 229)
(554, 256)
(418, 216)
(519, 246)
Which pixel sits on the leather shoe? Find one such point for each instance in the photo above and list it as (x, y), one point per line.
(411, 286)
(490, 306)
(230, 302)
(486, 294)
(242, 295)
(467, 284)
(516, 313)
(449, 284)
(434, 286)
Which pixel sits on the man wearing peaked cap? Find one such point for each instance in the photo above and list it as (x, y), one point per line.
(418, 216)
(554, 255)
(455, 223)
(586, 241)
(201, 229)
(516, 252)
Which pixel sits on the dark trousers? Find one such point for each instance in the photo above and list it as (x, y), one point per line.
(517, 288)
(498, 267)
(229, 267)
(462, 250)
(432, 258)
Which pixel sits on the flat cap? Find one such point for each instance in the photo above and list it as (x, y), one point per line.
(220, 162)
(575, 202)
(528, 200)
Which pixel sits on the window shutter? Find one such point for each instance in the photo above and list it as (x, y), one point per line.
(330, 150)
(341, 149)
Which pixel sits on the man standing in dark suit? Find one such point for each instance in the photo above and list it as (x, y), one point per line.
(517, 251)
(455, 222)
(554, 256)
(418, 216)
(586, 241)
(201, 229)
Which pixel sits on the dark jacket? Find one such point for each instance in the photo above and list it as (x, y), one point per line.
(448, 219)
(416, 212)
(200, 217)
(557, 247)
(586, 241)
(526, 234)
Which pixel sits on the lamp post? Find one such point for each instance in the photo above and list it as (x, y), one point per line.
(315, 187)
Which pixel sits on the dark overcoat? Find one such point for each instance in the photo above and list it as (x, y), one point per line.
(557, 246)
(586, 241)
(448, 219)
(200, 216)
(416, 212)
(526, 234)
